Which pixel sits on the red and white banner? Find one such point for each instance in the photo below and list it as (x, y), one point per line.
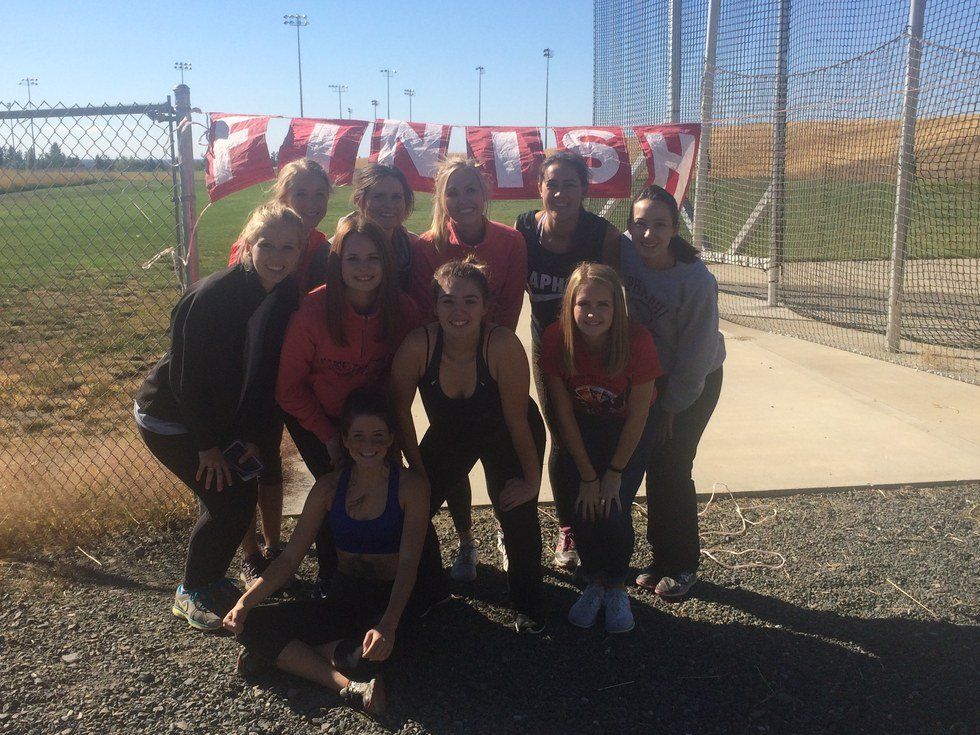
(238, 155)
(331, 143)
(414, 148)
(511, 158)
(605, 151)
(670, 152)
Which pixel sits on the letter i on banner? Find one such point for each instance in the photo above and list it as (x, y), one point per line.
(604, 149)
(670, 152)
(238, 154)
(413, 148)
(331, 143)
(511, 158)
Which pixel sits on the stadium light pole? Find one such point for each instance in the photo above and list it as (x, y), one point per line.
(480, 71)
(299, 21)
(182, 66)
(389, 73)
(30, 82)
(350, 114)
(548, 54)
(339, 89)
(410, 93)
(374, 104)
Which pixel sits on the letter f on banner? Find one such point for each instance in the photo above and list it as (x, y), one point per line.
(413, 148)
(237, 156)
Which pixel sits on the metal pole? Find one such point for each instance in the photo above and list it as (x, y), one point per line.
(410, 93)
(777, 218)
(906, 174)
(299, 64)
(175, 197)
(479, 95)
(707, 105)
(675, 61)
(188, 197)
(389, 73)
(548, 53)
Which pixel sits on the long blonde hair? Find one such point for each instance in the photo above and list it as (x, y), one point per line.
(265, 215)
(289, 172)
(439, 230)
(618, 345)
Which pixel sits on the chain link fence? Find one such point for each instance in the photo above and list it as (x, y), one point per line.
(91, 231)
(839, 198)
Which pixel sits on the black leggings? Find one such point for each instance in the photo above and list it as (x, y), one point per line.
(317, 460)
(351, 607)
(224, 517)
(448, 455)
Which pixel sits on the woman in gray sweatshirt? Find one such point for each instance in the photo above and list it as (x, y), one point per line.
(672, 293)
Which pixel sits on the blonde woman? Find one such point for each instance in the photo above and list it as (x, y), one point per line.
(599, 372)
(460, 228)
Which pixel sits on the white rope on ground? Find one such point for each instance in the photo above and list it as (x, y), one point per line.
(713, 552)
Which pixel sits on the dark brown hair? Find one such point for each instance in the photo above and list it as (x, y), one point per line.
(366, 401)
(679, 247)
(569, 158)
(469, 269)
(375, 173)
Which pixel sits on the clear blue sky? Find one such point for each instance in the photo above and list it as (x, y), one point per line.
(244, 58)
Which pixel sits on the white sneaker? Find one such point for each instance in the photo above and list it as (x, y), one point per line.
(464, 565)
(619, 617)
(586, 609)
(502, 549)
(566, 556)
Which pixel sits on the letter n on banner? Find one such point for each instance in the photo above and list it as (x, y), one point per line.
(670, 152)
(604, 149)
(511, 158)
(238, 155)
(331, 143)
(414, 148)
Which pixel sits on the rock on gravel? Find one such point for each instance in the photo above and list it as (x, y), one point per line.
(871, 626)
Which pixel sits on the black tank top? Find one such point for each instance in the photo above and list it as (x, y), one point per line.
(547, 272)
(480, 411)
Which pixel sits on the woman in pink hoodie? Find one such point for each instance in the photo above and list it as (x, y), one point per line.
(342, 337)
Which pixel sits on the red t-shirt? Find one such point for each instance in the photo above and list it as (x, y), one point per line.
(593, 391)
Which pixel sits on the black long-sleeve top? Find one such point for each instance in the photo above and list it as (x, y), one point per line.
(218, 377)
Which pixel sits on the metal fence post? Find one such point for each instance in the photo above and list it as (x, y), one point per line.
(188, 197)
(777, 232)
(675, 61)
(707, 105)
(906, 174)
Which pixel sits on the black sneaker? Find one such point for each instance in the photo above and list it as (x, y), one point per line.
(367, 696)
(528, 624)
(250, 665)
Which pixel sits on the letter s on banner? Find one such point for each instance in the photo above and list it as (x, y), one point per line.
(670, 152)
(511, 158)
(331, 143)
(413, 148)
(604, 149)
(238, 155)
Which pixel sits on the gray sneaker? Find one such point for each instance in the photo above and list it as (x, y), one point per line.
(198, 608)
(502, 548)
(619, 617)
(676, 586)
(367, 696)
(464, 565)
(586, 609)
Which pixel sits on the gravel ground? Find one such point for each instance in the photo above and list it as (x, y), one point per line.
(829, 643)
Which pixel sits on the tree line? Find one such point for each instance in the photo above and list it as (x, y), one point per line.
(55, 158)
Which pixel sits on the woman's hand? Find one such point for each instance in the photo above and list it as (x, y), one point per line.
(378, 643)
(518, 491)
(213, 465)
(587, 502)
(234, 621)
(665, 427)
(335, 451)
(609, 492)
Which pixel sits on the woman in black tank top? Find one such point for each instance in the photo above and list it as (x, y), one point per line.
(474, 383)
(559, 236)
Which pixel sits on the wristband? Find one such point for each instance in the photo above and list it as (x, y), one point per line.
(617, 470)
(594, 479)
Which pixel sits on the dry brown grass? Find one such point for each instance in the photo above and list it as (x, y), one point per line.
(13, 180)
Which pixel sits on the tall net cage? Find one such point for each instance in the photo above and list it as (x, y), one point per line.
(840, 194)
(91, 229)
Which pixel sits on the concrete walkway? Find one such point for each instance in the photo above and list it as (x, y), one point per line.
(794, 415)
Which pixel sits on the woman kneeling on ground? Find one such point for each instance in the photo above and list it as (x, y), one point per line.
(378, 513)
(599, 371)
(474, 378)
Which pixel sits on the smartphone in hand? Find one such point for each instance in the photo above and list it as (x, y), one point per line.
(247, 470)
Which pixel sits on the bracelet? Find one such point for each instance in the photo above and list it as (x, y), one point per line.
(594, 479)
(617, 470)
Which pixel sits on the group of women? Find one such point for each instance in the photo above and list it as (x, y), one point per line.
(332, 339)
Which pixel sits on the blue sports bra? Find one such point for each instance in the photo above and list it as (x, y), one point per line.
(381, 535)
